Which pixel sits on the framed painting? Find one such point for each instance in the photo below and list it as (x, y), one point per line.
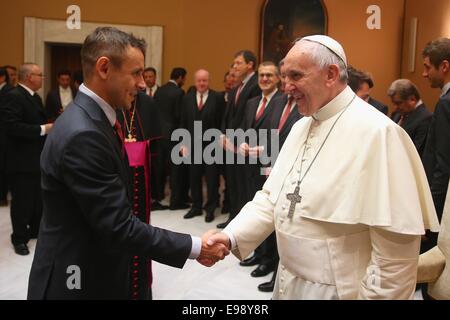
(284, 21)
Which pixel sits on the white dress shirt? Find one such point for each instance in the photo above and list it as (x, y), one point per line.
(66, 96)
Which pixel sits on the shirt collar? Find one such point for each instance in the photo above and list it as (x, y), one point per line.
(174, 82)
(107, 109)
(64, 90)
(445, 89)
(205, 94)
(270, 95)
(247, 78)
(420, 102)
(28, 89)
(2, 85)
(336, 105)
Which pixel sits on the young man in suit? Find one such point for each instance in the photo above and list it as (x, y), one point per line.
(25, 127)
(59, 98)
(204, 106)
(414, 116)
(168, 100)
(88, 232)
(244, 65)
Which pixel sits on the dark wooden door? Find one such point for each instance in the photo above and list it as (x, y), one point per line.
(64, 57)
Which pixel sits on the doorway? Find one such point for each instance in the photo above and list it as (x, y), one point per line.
(63, 57)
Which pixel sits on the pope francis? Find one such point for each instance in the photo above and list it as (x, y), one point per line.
(347, 197)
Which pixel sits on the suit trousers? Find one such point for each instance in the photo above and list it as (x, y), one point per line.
(3, 176)
(26, 206)
(267, 251)
(212, 183)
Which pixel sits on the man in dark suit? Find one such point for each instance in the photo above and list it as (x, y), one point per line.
(168, 99)
(436, 157)
(202, 106)
(59, 98)
(4, 88)
(361, 83)
(244, 65)
(150, 81)
(414, 116)
(258, 114)
(88, 234)
(25, 127)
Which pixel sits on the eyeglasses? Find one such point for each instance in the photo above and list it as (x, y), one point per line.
(38, 74)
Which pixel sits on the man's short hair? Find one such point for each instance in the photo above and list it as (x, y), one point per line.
(25, 70)
(150, 69)
(10, 67)
(437, 51)
(177, 73)
(248, 57)
(404, 88)
(107, 42)
(356, 78)
(270, 64)
(64, 73)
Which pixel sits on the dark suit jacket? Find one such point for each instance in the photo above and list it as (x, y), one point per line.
(3, 92)
(87, 220)
(53, 105)
(210, 116)
(416, 124)
(168, 99)
(235, 112)
(378, 105)
(23, 116)
(255, 180)
(279, 103)
(436, 156)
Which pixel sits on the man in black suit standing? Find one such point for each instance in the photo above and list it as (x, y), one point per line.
(244, 65)
(4, 88)
(436, 157)
(414, 116)
(59, 98)
(204, 106)
(88, 233)
(25, 127)
(168, 100)
(258, 114)
(361, 83)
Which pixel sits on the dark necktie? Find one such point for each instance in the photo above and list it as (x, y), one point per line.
(238, 93)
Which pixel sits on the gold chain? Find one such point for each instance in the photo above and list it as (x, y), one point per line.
(130, 137)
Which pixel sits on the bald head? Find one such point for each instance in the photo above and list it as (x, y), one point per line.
(201, 80)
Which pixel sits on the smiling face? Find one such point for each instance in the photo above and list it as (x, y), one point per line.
(268, 78)
(305, 81)
(126, 81)
(241, 68)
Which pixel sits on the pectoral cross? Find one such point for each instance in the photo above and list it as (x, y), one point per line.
(294, 198)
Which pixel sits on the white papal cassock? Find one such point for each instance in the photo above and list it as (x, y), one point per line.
(365, 203)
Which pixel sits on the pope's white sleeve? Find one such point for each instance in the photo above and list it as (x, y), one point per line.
(253, 224)
(392, 270)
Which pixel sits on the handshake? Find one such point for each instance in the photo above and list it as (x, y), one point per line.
(215, 246)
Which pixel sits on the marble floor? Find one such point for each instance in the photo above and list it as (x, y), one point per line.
(225, 281)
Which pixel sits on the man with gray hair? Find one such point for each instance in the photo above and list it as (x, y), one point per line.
(414, 116)
(347, 196)
(25, 127)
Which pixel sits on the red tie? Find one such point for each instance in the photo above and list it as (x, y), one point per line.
(261, 110)
(286, 112)
(238, 93)
(200, 103)
(150, 92)
(119, 133)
